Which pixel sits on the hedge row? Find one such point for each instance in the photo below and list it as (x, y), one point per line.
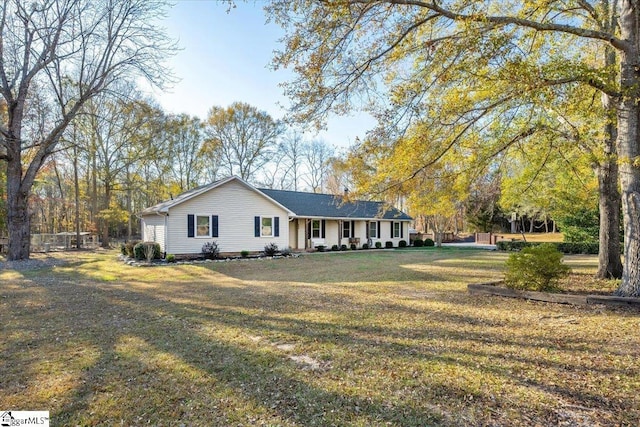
(418, 243)
(564, 247)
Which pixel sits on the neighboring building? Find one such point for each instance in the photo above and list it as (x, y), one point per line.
(241, 217)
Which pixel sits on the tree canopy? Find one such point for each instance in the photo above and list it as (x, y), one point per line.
(55, 56)
(487, 74)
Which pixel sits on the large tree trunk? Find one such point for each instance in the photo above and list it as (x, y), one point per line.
(106, 243)
(18, 219)
(627, 146)
(76, 185)
(129, 207)
(609, 262)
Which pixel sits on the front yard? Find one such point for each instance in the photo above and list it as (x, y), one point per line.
(357, 338)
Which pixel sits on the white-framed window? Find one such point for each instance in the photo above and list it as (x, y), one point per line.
(373, 230)
(316, 231)
(346, 229)
(396, 229)
(203, 226)
(266, 226)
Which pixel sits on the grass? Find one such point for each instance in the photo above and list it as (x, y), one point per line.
(357, 338)
(534, 237)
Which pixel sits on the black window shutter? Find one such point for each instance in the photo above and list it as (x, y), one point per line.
(379, 236)
(276, 227)
(214, 225)
(191, 226)
(309, 228)
(401, 230)
(353, 229)
(324, 228)
(392, 236)
(368, 229)
(256, 224)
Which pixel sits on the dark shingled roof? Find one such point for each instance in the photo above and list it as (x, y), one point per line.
(305, 205)
(330, 206)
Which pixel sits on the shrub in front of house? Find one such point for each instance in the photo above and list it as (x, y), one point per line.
(365, 246)
(388, 245)
(353, 247)
(128, 248)
(320, 248)
(343, 247)
(402, 244)
(271, 249)
(147, 251)
(418, 243)
(429, 242)
(535, 268)
(286, 251)
(378, 245)
(244, 254)
(210, 250)
(335, 248)
(171, 258)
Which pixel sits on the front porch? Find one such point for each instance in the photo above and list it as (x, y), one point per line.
(309, 233)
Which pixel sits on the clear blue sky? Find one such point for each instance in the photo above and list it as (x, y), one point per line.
(225, 57)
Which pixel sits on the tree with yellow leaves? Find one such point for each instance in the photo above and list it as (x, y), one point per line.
(485, 68)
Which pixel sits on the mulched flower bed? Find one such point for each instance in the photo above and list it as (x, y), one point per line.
(576, 289)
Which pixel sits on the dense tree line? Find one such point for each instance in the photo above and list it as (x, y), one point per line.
(123, 154)
(81, 149)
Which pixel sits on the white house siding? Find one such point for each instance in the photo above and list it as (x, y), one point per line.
(361, 232)
(333, 233)
(302, 233)
(385, 232)
(293, 234)
(153, 230)
(236, 206)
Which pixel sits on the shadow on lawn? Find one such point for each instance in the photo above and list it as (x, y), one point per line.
(181, 321)
(102, 317)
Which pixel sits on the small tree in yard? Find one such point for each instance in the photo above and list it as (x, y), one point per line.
(536, 268)
(146, 251)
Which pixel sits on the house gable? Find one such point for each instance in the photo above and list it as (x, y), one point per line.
(226, 213)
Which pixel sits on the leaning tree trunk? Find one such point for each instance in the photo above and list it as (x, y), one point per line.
(609, 262)
(628, 149)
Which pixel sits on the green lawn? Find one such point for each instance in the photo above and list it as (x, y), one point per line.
(357, 338)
